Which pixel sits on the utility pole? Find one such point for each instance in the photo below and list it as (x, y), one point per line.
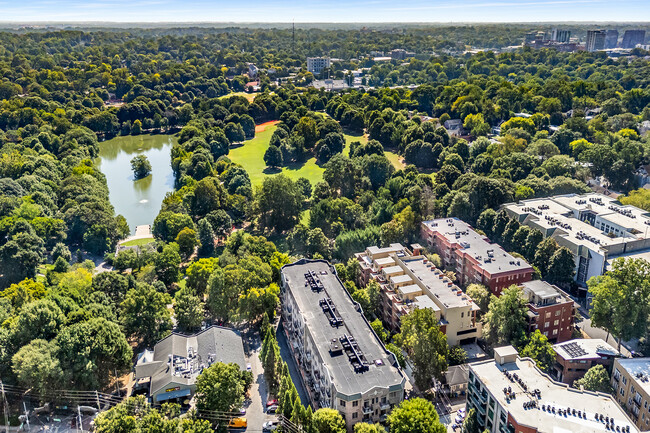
(5, 406)
(26, 416)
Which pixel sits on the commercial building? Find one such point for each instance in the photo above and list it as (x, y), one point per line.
(573, 358)
(632, 38)
(550, 310)
(409, 281)
(631, 382)
(315, 65)
(169, 371)
(595, 227)
(511, 395)
(563, 36)
(611, 39)
(473, 257)
(595, 40)
(343, 363)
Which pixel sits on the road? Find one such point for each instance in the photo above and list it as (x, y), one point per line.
(256, 405)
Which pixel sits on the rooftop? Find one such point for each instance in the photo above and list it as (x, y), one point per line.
(367, 348)
(436, 283)
(584, 348)
(182, 358)
(639, 370)
(551, 394)
(491, 257)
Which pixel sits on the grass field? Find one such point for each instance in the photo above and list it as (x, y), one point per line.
(136, 242)
(251, 157)
(249, 96)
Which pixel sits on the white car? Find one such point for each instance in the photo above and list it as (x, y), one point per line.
(271, 425)
(249, 367)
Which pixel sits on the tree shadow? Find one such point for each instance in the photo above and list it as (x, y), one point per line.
(272, 170)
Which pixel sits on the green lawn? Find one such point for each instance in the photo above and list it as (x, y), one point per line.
(249, 96)
(136, 242)
(251, 157)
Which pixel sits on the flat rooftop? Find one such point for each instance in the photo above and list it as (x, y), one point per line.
(639, 370)
(439, 286)
(392, 248)
(491, 257)
(553, 394)
(381, 372)
(584, 348)
(541, 289)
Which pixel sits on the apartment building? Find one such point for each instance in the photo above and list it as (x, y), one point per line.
(511, 395)
(631, 382)
(550, 310)
(632, 38)
(342, 362)
(409, 281)
(595, 227)
(595, 40)
(473, 257)
(315, 65)
(573, 358)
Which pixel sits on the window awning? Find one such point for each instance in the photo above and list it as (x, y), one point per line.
(173, 394)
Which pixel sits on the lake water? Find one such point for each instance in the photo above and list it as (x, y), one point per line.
(138, 200)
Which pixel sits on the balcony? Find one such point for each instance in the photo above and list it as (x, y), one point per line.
(367, 410)
(385, 406)
(637, 400)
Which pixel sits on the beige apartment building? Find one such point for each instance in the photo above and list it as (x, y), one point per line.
(410, 281)
(631, 382)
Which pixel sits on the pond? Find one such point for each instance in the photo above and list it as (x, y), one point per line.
(138, 200)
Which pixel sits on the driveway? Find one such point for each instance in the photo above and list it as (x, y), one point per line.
(291, 363)
(255, 407)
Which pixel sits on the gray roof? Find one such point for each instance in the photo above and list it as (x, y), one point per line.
(190, 354)
(382, 371)
(491, 257)
(457, 375)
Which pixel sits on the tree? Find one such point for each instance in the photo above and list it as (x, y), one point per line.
(273, 157)
(480, 295)
(61, 250)
(222, 297)
(188, 309)
(41, 319)
(91, 351)
(198, 273)
(326, 420)
(137, 127)
(476, 124)
(36, 366)
(187, 241)
(378, 327)
(221, 387)
(416, 415)
(167, 263)
(363, 427)
(457, 356)
(257, 301)
(621, 299)
(595, 379)
(505, 321)
(425, 345)
(561, 266)
(543, 254)
(20, 256)
(206, 237)
(540, 351)
(141, 166)
(470, 423)
(278, 203)
(145, 315)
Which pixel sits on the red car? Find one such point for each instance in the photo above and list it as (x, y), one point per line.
(271, 403)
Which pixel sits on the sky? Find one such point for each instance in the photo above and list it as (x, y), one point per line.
(442, 11)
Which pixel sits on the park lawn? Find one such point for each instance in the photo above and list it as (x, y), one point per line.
(251, 156)
(137, 242)
(395, 159)
(249, 96)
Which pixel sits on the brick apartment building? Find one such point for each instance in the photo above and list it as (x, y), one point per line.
(573, 358)
(550, 310)
(473, 257)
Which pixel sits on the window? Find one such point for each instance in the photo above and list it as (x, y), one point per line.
(355, 403)
(555, 332)
(547, 324)
(462, 315)
(548, 314)
(557, 313)
(342, 403)
(556, 322)
(355, 415)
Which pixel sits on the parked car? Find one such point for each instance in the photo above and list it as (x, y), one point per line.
(249, 367)
(272, 409)
(239, 422)
(271, 425)
(271, 403)
(242, 411)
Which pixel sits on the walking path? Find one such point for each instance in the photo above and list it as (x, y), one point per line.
(141, 232)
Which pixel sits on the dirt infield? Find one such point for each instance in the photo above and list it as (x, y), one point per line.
(262, 126)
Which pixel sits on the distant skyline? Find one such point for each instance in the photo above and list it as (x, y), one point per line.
(319, 11)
